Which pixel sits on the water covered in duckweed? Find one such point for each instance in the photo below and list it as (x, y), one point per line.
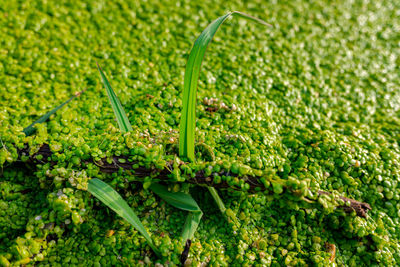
(312, 103)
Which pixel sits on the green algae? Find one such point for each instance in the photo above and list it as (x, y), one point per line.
(313, 100)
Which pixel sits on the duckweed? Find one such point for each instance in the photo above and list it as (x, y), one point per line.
(312, 104)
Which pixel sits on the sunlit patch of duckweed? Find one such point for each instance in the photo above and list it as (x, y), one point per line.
(309, 104)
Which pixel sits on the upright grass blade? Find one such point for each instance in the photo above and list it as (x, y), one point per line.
(122, 119)
(114, 201)
(188, 117)
(31, 129)
(179, 200)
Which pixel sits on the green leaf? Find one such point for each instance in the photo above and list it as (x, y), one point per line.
(31, 129)
(217, 199)
(221, 206)
(114, 201)
(122, 119)
(191, 224)
(188, 117)
(179, 200)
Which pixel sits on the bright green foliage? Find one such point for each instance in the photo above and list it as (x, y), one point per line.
(120, 115)
(114, 201)
(192, 72)
(311, 102)
(179, 200)
(188, 117)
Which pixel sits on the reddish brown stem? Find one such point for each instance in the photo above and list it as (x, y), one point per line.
(200, 178)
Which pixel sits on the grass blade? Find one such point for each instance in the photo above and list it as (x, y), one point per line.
(221, 206)
(122, 119)
(217, 199)
(191, 224)
(179, 200)
(188, 117)
(31, 129)
(114, 201)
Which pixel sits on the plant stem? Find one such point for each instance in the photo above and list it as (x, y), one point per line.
(361, 208)
(217, 199)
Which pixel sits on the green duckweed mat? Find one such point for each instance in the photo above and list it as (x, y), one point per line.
(312, 103)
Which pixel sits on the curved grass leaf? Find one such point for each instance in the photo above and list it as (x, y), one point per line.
(31, 129)
(120, 115)
(188, 117)
(179, 200)
(114, 201)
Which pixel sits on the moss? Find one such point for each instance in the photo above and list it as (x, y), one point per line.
(310, 104)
